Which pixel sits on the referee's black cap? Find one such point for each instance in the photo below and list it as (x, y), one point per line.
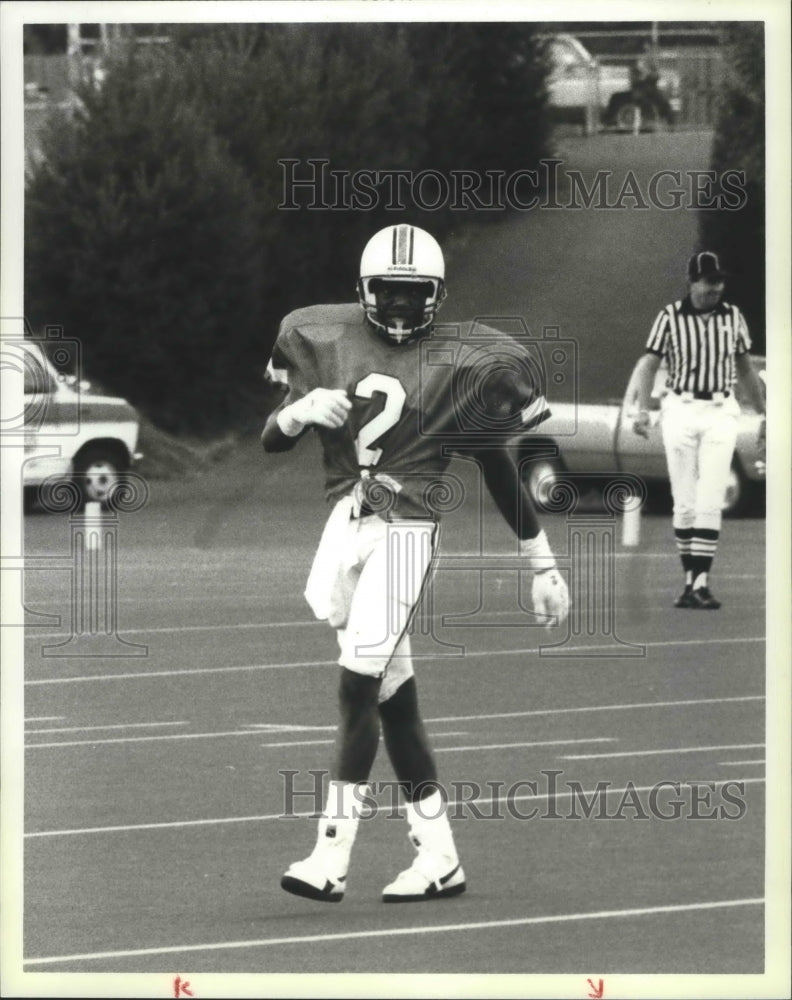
(705, 264)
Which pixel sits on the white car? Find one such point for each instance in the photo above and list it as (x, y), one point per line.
(579, 85)
(73, 433)
(597, 441)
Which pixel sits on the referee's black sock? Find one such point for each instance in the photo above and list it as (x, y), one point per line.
(701, 567)
(703, 544)
(683, 540)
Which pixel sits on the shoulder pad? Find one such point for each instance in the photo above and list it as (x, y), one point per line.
(348, 313)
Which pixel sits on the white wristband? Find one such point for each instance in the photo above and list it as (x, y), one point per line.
(290, 425)
(538, 553)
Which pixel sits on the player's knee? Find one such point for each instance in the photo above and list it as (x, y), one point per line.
(401, 707)
(357, 691)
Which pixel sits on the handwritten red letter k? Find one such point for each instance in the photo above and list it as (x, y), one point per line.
(180, 987)
(596, 991)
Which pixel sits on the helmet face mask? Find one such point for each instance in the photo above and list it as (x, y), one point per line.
(401, 283)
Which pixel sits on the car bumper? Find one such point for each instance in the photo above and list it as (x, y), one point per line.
(36, 469)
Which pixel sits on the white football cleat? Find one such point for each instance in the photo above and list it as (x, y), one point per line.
(436, 872)
(428, 877)
(322, 875)
(310, 878)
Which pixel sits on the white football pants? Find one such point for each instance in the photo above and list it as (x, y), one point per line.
(366, 580)
(699, 436)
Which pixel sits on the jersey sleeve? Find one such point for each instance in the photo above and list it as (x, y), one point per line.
(742, 337)
(290, 366)
(515, 387)
(515, 397)
(499, 390)
(658, 335)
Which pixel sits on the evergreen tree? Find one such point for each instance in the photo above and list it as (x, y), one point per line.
(142, 243)
(739, 144)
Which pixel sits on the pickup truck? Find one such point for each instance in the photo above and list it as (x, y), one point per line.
(598, 441)
(72, 432)
(581, 87)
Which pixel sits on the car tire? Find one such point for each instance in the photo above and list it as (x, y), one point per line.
(741, 493)
(624, 117)
(98, 470)
(30, 502)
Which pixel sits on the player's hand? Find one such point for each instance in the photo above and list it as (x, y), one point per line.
(550, 596)
(324, 407)
(641, 424)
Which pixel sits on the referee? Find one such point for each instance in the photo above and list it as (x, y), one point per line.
(705, 344)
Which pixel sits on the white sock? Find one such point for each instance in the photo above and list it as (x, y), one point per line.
(338, 823)
(700, 581)
(429, 825)
(344, 800)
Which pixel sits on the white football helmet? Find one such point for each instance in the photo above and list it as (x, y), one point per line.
(401, 285)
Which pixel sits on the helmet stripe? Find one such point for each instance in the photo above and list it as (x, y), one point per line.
(403, 242)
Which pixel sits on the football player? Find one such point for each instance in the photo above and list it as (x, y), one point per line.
(385, 415)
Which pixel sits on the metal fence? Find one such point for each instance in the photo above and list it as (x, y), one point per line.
(702, 80)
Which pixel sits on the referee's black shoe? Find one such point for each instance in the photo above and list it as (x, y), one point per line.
(702, 598)
(685, 599)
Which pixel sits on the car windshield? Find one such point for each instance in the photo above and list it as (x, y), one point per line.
(37, 376)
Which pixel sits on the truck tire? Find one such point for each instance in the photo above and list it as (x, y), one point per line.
(627, 114)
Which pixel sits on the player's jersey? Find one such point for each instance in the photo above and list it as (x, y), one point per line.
(413, 404)
(699, 351)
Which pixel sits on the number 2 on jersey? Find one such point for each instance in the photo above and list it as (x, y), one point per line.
(388, 417)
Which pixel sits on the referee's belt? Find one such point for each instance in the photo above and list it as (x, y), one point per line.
(716, 397)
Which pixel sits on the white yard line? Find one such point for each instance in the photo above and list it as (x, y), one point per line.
(479, 925)
(87, 729)
(570, 652)
(255, 731)
(535, 743)
(226, 626)
(741, 763)
(203, 736)
(601, 708)
(482, 800)
(650, 753)
(170, 736)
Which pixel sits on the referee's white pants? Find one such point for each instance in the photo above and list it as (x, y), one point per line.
(366, 580)
(699, 437)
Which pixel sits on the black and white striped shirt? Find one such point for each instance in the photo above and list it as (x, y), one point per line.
(699, 348)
